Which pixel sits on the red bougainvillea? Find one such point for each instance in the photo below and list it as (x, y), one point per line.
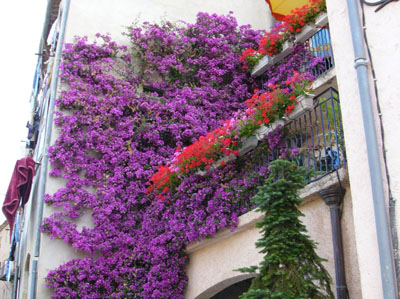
(271, 42)
(263, 108)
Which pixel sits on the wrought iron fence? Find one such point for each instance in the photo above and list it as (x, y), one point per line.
(314, 140)
(318, 45)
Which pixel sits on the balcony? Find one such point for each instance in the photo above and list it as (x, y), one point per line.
(6, 266)
(314, 139)
(316, 38)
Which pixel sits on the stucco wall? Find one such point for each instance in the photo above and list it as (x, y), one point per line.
(4, 242)
(382, 30)
(86, 18)
(212, 262)
(4, 253)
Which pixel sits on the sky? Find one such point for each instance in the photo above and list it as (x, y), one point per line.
(21, 24)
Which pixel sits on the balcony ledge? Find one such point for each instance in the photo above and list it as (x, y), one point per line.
(307, 32)
(248, 220)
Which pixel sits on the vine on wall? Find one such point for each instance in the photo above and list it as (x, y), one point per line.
(123, 112)
(117, 124)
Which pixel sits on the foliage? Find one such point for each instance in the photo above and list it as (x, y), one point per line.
(290, 269)
(117, 124)
(263, 108)
(300, 16)
(268, 106)
(131, 114)
(271, 43)
(299, 59)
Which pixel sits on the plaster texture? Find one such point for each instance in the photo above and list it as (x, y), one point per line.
(382, 30)
(212, 261)
(4, 242)
(381, 27)
(5, 291)
(211, 268)
(86, 17)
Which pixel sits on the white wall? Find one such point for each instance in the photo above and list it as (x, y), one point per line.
(212, 262)
(88, 17)
(383, 30)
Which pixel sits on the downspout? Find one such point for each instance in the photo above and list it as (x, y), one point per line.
(45, 161)
(333, 197)
(45, 26)
(378, 196)
(42, 42)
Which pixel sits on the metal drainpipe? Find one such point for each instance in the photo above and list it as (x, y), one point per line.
(45, 26)
(333, 197)
(378, 196)
(45, 161)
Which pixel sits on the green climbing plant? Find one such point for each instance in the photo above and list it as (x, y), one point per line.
(290, 269)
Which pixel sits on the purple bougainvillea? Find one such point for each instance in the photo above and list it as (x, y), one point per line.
(122, 112)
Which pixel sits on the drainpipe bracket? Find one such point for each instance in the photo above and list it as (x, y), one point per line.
(332, 196)
(358, 61)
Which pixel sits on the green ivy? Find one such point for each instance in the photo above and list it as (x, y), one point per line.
(290, 269)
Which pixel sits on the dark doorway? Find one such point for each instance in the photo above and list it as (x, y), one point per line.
(234, 291)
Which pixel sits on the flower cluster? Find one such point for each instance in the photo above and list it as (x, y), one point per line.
(122, 113)
(263, 108)
(300, 16)
(207, 149)
(162, 181)
(299, 59)
(249, 58)
(222, 141)
(268, 106)
(271, 43)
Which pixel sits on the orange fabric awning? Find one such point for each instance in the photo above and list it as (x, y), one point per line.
(280, 8)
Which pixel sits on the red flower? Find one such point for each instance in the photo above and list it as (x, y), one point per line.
(289, 109)
(227, 142)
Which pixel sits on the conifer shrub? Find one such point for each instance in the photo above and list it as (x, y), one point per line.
(290, 269)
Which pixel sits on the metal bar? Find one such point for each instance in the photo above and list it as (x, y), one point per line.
(335, 128)
(375, 169)
(328, 150)
(333, 198)
(44, 166)
(307, 138)
(341, 129)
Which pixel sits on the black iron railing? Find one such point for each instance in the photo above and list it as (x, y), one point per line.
(318, 45)
(314, 140)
